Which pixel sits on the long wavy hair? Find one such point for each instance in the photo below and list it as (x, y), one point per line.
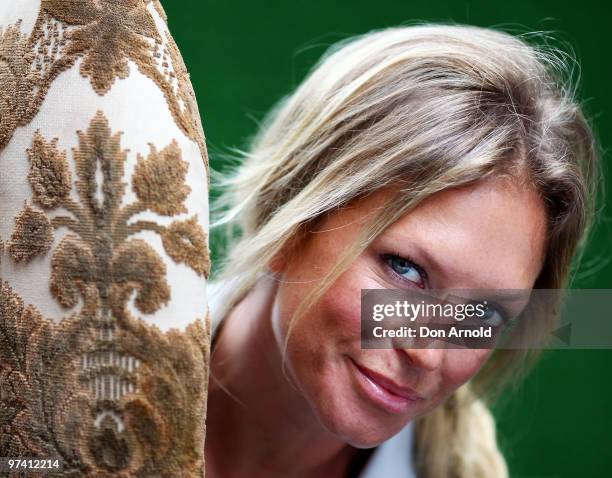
(427, 107)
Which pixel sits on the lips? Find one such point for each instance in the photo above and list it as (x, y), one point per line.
(389, 385)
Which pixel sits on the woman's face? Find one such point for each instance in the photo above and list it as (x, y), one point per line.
(490, 235)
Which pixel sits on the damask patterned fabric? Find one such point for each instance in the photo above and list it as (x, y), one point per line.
(104, 251)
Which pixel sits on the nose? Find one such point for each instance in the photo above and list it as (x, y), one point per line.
(427, 359)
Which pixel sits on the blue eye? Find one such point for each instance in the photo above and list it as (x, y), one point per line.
(407, 269)
(493, 316)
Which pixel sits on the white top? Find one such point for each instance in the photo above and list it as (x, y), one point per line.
(391, 459)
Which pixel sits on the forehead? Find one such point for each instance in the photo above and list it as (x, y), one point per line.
(490, 234)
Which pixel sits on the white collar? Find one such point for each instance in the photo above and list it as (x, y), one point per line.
(391, 459)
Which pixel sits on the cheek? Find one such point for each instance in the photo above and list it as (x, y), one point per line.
(340, 312)
(461, 365)
(322, 338)
(316, 350)
(340, 307)
(319, 338)
(333, 321)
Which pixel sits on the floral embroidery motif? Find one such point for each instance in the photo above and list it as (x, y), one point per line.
(159, 181)
(49, 175)
(108, 34)
(185, 242)
(41, 403)
(109, 389)
(15, 81)
(47, 410)
(100, 221)
(32, 236)
(105, 34)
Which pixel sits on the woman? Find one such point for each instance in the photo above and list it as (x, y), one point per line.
(432, 157)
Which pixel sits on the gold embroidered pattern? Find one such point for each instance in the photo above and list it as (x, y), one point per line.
(116, 396)
(179, 91)
(159, 180)
(105, 34)
(185, 242)
(33, 235)
(41, 402)
(15, 81)
(49, 174)
(46, 409)
(109, 33)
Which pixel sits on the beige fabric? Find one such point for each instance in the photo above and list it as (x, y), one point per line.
(104, 253)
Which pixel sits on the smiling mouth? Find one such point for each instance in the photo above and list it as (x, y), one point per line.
(383, 391)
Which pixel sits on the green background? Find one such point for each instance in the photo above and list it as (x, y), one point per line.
(244, 55)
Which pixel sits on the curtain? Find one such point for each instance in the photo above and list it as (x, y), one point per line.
(104, 252)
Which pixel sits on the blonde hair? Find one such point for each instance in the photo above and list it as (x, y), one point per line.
(427, 107)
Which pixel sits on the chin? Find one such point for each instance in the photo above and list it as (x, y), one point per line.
(345, 415)
(361, 430)
(369, 440)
